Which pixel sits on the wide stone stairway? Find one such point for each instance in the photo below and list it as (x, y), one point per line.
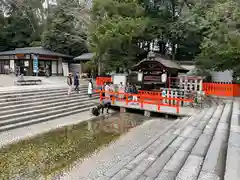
(205, 146)
(23, 108)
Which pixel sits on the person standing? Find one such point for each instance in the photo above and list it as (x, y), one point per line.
(121, 90)
(76, 82)
(90, 88)
(107, 90)
(70, 83)
(134, 92)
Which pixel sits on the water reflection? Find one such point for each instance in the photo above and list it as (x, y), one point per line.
(117, 123)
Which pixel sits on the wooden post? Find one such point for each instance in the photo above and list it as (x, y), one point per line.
(159, 100)
(80, 70)
(200, 84)
(113, 98)
(172, 96)
(178, 105)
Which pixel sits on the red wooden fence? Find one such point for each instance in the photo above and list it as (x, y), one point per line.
(101, 80)
(217, 89)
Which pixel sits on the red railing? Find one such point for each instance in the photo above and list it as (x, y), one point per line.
(218, 89)
(101, 80)
(145, 98)
(150, 93)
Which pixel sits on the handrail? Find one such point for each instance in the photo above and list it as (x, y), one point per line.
(144, 99)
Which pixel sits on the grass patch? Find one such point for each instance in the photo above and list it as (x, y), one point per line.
(48, 153)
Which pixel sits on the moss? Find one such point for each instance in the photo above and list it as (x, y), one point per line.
(48, 153)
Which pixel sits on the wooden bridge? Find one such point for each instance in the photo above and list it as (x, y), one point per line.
(150, 102)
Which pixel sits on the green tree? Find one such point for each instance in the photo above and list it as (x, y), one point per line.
(220, 49)
(114, 31)
(168, 26)
(22, 22)
(61, 33)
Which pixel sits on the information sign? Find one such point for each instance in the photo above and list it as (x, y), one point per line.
(35, 63)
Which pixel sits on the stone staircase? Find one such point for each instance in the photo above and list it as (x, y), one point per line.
(205, 146)
(23, 108)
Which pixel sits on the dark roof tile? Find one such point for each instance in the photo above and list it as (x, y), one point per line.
(33, 50)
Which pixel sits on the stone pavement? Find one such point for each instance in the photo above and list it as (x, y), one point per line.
(192, 148)
(8, 80)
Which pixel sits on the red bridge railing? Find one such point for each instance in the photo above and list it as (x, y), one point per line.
(146, 98)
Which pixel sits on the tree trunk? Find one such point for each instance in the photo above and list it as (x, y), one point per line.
(99, 68)
(173, 51)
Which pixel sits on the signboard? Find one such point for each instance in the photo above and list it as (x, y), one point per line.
(27, 56)
(12, 66)
(164, 77)
(152, 78)
(26, 63)
(140, 76)
(35, 63)
(118, 78)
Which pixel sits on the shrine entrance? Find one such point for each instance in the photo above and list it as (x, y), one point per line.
(154, 71)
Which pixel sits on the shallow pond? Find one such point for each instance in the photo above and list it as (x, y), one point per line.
(53, 151)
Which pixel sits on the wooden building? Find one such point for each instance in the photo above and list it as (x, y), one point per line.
(79, 64)
(34, 61)
(154, 71)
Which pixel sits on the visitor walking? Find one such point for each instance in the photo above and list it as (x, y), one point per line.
(69, 82)
(103, 89)
(90, 88)
(47, 74)
(76, 82)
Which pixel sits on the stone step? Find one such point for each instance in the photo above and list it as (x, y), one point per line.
(42, 98)
(20, 124)
(10, 106)
(158, 154)
(53, 93)
(36, 113)
(34, 90)
(130, 159)
(22, 111)
(169, 165)
(232, 170)
(193, 164)
(30, 93)
(45, 115)
(141, 158)
(147, 160)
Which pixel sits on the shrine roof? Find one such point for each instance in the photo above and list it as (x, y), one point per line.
(33, 50)
(165, 62)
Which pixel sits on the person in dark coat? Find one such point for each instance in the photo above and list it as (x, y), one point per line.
(76, 82)
(69, 82)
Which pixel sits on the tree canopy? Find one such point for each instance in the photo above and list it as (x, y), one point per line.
(220, 48)
(121, 33)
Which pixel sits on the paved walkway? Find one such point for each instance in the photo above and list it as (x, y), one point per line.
(8, 80)
(7, 83)
(192, 148)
